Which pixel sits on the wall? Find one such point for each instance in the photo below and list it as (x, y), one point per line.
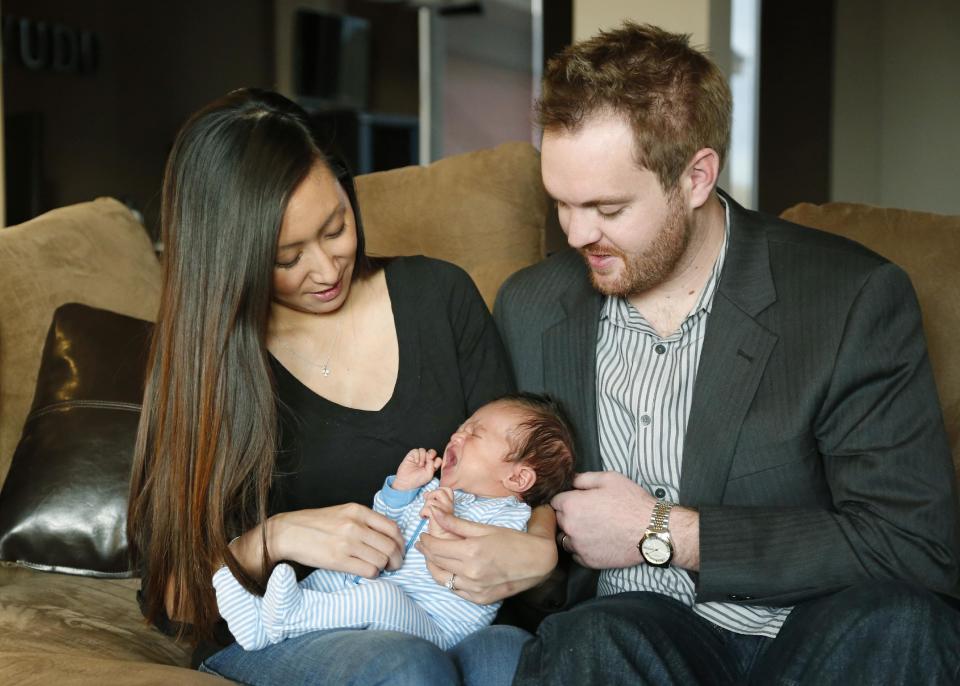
(283, 16)
(108, 132)
(897, 104)
(394, 57)
(794, 136)
(3, 178)
(487, 77)
(688, 16)
(857, 96)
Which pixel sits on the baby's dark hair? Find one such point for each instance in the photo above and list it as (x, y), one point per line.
(545, 442)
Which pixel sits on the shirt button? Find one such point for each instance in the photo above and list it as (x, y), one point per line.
(660, 493)
(660, 348)
(645, 419)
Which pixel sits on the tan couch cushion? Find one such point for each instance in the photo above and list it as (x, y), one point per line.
(93, 253)
(72, 615)
(43, 669)
(484, 211)
(927, 246)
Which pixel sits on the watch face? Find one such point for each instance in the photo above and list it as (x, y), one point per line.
(656, 551)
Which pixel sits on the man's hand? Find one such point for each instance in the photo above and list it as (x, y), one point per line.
(605, 516)
(416, 469)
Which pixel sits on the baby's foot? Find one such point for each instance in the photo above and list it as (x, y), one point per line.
(283, 597)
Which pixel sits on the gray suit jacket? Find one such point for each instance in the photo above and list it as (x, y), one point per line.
(815, 450)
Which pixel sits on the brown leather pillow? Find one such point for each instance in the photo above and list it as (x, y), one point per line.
(64, 503)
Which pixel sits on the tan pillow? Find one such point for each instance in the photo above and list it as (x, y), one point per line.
(927, 246)
(93, 253)
(484, 211)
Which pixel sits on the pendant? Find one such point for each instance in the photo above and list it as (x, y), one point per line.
(325, 370)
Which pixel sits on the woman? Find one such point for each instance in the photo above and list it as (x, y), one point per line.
(288, 373)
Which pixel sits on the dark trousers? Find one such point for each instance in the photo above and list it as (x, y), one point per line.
(874, 633)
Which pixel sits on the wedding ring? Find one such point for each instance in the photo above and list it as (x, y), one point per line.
(452, 583)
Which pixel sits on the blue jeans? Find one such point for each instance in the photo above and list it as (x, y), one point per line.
(363, 658)
(882, 632)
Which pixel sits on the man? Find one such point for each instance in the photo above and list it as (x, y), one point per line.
(766, 488)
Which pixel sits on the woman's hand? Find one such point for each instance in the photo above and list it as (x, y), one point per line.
(348, 538)
(491, 562)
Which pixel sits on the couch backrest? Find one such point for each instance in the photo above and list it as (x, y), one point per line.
(93, 253)
(927, 246)
(485, 211)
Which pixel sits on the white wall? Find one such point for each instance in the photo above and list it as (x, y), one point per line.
(707, 21)
(896, 118)
(484, 105)
(486, 80)
(686, 16)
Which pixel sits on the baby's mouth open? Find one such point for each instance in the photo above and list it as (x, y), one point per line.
(450, 458)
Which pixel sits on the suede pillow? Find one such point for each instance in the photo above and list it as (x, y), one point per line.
(63, 505)
(484, 211)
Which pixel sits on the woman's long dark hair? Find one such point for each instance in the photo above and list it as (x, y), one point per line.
(208, 429)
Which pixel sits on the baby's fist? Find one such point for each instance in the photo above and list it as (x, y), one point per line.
(440, 499)
(416, 469)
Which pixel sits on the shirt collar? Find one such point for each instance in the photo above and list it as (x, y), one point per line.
(705, 302)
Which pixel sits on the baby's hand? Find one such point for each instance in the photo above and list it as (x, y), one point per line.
(416, 469)
(438, 500)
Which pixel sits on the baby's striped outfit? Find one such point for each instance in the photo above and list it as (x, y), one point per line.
(406, 600)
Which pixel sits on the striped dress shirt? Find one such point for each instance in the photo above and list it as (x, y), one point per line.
(406, 600)
(644, 392)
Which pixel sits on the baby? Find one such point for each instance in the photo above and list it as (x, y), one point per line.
(512, 454)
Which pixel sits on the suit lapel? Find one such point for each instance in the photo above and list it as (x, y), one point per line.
(569, 369)
(735, 353)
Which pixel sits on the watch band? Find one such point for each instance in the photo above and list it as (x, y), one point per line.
(660, 517)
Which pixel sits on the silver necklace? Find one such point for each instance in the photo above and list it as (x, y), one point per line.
(325, 365)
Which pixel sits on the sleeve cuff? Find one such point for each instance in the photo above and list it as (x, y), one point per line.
(394, 498)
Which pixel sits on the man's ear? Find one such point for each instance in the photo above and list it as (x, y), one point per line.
(701, 175)
(521, 479)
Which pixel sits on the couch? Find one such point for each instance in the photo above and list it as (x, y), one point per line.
(485, 211)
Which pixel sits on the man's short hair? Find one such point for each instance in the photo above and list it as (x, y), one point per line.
(543, 441)
(674, 97)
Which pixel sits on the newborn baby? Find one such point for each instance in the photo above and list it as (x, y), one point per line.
(512, 454)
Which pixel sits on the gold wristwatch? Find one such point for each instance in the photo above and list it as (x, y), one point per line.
(656, 546)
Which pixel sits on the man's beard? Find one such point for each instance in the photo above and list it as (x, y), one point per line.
(641, 272)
